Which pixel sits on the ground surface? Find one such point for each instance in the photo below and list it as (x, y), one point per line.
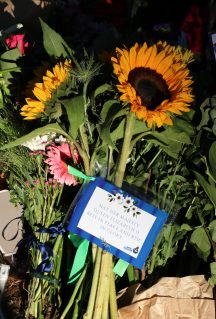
(13, 298)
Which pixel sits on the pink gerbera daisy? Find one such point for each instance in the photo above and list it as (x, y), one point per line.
(58, 158)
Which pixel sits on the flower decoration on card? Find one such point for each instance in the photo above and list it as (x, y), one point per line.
(126, 201)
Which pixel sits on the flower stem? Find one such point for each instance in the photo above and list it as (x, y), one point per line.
(105, 310)
(57, 252)
(77, 302)
(91, 302)
(76, 289)
(112, 296)
(154, 158)
(125, 152)
(110, 153)
(94, 253)
(84, 139)
(102, 298)
(103, 293)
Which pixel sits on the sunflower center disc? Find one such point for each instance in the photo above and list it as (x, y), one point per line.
(150, 86)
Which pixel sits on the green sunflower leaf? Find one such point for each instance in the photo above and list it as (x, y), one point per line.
(213, 114)
(111, 110)
(212, 229)
(75, 112)
(8, 63)
(210, 189)
(173, 137)
(212, 158)
(205, 110)
(54, 44)
(50, 128)
(200, 241)
(118, 132)
(101, 89)
(214, 128)
(140, 127)
(212, 279)
(170, 245)
(213, 268)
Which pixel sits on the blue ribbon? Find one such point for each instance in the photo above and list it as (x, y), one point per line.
(52, 230)
(47, 255)
(46, 264)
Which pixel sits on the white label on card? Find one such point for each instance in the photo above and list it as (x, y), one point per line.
(116, 221)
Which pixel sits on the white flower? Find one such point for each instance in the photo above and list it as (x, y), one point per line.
(36, 144)
(39, 143)
(119, 197)
(128, 202)
(60, 139)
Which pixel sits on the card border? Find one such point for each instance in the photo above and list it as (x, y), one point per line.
(81, 203)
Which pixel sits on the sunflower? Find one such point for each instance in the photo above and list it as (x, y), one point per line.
(38, 72)
(43, 91)
(155, 80)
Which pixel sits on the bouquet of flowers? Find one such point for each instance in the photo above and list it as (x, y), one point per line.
(134, 128)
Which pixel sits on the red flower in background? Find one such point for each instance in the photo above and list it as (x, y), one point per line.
(17, 40)
(112, 11)
(194, 27)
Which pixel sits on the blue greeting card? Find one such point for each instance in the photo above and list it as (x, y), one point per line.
(120, 223)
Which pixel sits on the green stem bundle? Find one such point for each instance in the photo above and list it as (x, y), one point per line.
(102, 301)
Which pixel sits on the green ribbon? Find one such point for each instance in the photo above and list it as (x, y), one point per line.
(73, 171)
(82, 246)
(120, 267)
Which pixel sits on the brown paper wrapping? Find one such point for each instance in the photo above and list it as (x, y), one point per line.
(189, 297)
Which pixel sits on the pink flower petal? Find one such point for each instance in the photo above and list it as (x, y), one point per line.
(57, 156)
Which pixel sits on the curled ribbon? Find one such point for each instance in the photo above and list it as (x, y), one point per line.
(7, 225)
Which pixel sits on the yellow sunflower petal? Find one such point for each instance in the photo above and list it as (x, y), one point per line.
(163, 67)
(40, 94)
(141, 54)
(150, 122)
(43, 91)
(133, 56)
(160, 57)
(49, 74)
(150, 62)
(167, 120)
